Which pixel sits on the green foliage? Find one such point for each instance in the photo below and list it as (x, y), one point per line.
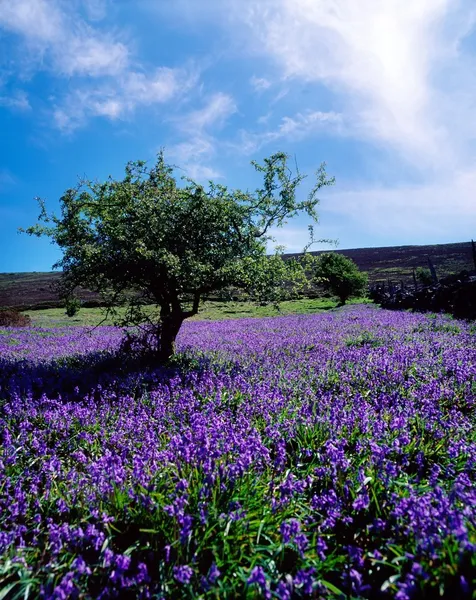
(366, 338)
(424, 276)
(338, 274)
(271, 279)
(146, 240)
(72, 306)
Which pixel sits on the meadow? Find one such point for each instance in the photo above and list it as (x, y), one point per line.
(25, 291)
(328, 455)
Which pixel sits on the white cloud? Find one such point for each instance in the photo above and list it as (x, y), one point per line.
(437, 212)
(402, 77)
(122, 97)
(92, 55)
(18, 101)
(442, 210)
(192, 150)
(200, 172)
(37, 20)
(200, 147)
(55, 37)
(6, 179)
(214, 114)
(103, 80)
(295, 239)
(291, 129)
(95, 9)
(260, 83)
(378, 52)
(396, 67)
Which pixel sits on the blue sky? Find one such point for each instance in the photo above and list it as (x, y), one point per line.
(384, 91)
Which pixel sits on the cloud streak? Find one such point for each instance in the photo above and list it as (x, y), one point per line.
(103, 79)
(58, 39)
(119, 99)
(296, 128)
(17, 101)
(382, 59)
(198, 126)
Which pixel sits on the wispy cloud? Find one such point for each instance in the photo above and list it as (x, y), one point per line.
(293, 129)
(16, 101)
(260, 83)
(195, 153)
(95, 9)
(381, 56)
(214, 114)
(103, 79)
(439, 210)
(120, 98)
(6, 179)
(295, 239)
(56, 38)
(398, 69)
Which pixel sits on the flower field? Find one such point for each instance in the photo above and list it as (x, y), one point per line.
(312, 456)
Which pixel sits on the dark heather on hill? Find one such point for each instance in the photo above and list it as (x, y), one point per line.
(27, 291)
(395, 263)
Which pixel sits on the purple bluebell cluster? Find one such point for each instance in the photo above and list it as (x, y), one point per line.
(323, 456)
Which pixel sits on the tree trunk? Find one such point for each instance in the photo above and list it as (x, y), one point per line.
(170, 326)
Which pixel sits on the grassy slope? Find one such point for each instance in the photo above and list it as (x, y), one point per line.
(211, 311)
(27, 290)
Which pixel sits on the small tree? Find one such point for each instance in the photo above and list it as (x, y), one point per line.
(339, 275)
(146, 239)
(72, 306)
(424, 276)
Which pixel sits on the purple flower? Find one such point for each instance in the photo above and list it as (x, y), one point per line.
(282, 591)
(305, 579)
(289, 529)
(214, 573)
(257, 576)
(80, 566)
(361, 502)
(183, 574)
(142, 574)
(321, 548)
(66, 589)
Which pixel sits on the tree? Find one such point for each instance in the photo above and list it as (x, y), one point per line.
(339, 275)
(424, 276)
(72, 306)
(146, 239)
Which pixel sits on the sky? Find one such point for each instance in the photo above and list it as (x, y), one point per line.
(383, 91)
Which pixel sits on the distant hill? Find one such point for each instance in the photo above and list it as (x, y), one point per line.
(395, 263)
(27, 291)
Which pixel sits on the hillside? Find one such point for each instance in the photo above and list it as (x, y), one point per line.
(394, 263)
(35, 290)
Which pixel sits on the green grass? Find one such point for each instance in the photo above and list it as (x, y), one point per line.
(209, 311)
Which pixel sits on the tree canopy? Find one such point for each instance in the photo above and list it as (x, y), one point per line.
(339, 275)
(150, 239)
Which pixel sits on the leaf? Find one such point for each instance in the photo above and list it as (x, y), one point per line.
(6, 590)
(331, 587)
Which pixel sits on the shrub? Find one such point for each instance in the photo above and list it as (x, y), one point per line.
(340, 276)
(72, 306)
(424, 276)
(12, 318)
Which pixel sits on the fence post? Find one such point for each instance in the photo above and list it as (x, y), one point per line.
(434, 276)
